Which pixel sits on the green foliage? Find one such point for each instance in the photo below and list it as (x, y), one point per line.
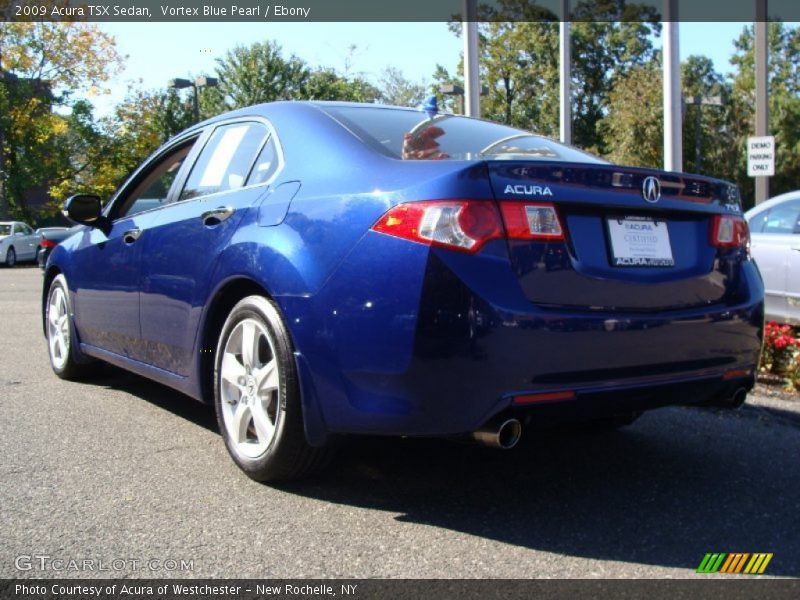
(260, 73)
(519, 64)
(255, 74)
(603, 52)
(633, 129)
(326, 84)
(784, 106)
(41, 64)
(399, 91)
(121, 141)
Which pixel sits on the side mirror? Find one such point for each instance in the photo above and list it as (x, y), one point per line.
(83, 208)
(19, 233)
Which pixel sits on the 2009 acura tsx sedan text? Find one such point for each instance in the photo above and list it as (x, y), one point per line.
(316, 269)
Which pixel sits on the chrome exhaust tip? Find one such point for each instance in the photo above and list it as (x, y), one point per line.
(503, 434)
(728, 400)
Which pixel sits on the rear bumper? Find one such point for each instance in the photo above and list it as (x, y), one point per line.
(651, 363)
(443, 354)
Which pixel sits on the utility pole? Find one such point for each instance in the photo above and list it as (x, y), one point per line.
(565, 74)
(762, 104)
(469, 28)
(673, 118)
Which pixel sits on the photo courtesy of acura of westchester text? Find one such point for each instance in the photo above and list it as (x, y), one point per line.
(481, 291)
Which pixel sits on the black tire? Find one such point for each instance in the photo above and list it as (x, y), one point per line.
(287, 455)
(70, 364)
(11, 257)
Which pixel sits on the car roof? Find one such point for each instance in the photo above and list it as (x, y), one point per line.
(794, 195)
(265, 109)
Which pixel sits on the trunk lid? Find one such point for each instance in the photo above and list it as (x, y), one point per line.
(635, 239)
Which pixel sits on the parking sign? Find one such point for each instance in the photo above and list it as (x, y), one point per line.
(761, 156)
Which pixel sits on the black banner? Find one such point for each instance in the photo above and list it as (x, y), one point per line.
(730, 588)
(374, 10)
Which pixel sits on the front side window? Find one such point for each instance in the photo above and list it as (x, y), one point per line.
(226, 161)
(153, 189)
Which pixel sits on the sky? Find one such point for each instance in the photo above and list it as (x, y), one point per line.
(158, 52)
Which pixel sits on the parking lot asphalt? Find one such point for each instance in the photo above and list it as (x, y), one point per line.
(122, 469)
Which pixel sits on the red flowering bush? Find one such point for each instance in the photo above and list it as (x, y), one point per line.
(781, 348)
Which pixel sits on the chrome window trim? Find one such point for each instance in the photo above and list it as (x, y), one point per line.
(204, 135)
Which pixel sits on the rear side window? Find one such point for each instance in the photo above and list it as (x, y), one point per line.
(414, 135)
(266, 164)
(226, 160)
(783, 218)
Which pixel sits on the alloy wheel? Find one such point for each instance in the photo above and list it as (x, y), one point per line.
(58, 336)
(249, 388)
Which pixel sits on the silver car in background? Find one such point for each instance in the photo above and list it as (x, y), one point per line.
(17, 242)
(775, 244)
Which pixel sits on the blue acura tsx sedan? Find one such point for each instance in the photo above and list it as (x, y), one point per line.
(316, 269)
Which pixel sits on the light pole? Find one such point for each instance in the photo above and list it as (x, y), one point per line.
(700, 102)
(450, 89)
(565, 75)
(469, 28)
(670, 56)
(199, 82)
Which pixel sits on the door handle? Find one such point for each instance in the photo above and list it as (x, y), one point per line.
(796, 248)
(131, 236)
(214, 217)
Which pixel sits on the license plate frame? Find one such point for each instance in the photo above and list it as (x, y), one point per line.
(636, 242)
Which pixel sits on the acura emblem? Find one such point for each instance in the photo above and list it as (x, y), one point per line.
(651, 189)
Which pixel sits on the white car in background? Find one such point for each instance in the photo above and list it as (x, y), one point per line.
(775, 244)
(17, 242)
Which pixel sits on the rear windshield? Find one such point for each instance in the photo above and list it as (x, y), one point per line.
(414, 135)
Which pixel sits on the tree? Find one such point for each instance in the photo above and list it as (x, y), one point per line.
(259, 73)
(603, 51)
(105, 153)
(784, 106)
(396, 90)
(254, 74)
(633, 128)
(707, 138)
(42, 65)
(326, 84)
(519, 63)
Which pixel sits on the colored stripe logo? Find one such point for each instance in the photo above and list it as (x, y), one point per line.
(735, 563)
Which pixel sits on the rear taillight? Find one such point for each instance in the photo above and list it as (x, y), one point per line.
(468, 224)
(458, 224)
(47, 244)
(729, 231)
(531, 221)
